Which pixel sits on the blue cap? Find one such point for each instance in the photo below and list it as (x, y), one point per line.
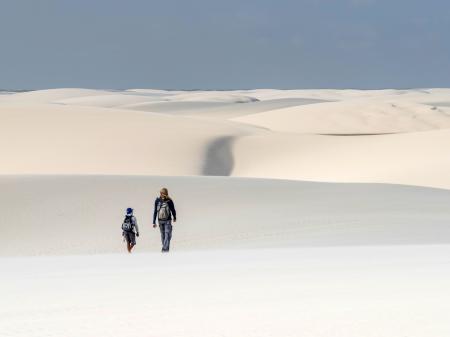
(129, 210)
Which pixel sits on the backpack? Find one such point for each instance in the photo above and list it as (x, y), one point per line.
(127, 224)
(163, 210)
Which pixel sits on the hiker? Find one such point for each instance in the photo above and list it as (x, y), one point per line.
(165, 210)
(130, 229)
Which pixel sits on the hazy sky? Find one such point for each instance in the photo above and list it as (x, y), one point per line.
(224, 44)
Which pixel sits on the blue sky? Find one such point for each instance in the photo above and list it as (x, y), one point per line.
(230, 44)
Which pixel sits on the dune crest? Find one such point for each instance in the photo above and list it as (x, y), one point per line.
(393, 136)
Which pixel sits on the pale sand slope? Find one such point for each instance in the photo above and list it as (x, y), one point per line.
(419, 158)
(53, 95)
(362, 116)
(80, 131)
(245, 259)
(218, 110)
(338, 292)
(59, 139)
(250, 257)
(82, 214)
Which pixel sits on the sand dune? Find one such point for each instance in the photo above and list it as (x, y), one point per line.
(418, 158)
(110, 100)
(60, 139)
(218, 110)
(340, 292)
(353, 117)
(51, 95)
(241, 248)
(250, 257)
(212, 96)
(251, 133)
(82, 214)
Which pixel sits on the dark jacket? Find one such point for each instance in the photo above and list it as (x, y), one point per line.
(171, 206)
(134, 225)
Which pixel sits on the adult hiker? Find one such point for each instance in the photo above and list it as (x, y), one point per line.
(130, 229)
(165, 211)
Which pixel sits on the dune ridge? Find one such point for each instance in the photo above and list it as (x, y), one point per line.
(257, 251)
(391, 136)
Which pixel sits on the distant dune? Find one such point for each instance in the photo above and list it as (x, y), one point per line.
(78, 157)
(390, 136)
(257, 251)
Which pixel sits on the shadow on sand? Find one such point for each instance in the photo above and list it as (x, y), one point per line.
(219, 159)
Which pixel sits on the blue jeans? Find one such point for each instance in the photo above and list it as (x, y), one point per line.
(165, 227)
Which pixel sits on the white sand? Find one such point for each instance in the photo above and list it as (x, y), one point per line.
(251, 133)
(338, 292)
(419, 158)
(354, 117)
(60, 139)
(250, 257)
(82, 214)
(261, 258)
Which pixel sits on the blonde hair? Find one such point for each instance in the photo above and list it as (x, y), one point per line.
(165, 192)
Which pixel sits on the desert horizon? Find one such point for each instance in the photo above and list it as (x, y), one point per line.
(224, 168)
(331, 193)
